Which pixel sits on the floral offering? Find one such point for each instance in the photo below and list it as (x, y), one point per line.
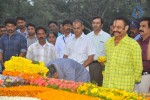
(24, 66)
(57, 84)
(107, 94)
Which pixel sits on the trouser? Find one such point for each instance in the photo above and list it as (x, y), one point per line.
(95, 70)
(144, 85)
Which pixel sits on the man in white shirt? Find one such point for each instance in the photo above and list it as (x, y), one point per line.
(63, 39)
(41, 50)
(98, 37)
(80, 48)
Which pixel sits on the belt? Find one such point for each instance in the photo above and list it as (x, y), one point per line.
(145, 73)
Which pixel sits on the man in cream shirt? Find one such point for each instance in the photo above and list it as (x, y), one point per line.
(80, 48)
(98, 37)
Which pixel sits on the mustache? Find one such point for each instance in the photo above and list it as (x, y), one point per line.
(141, 31)
(41, 38)
(116, 32)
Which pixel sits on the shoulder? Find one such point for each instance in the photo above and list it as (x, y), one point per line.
(105, 34)
(90, 34)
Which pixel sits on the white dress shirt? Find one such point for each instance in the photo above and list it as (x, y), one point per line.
(79, 49)
(99, 42)
(37, 52)
(60, 44)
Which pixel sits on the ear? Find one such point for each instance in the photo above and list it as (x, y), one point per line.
(82, 27)
(126, 28)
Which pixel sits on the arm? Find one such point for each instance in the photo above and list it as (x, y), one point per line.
(22, 54)
(66, 51)
(137, 62)
(30, 53)
(1, 57)
(1, 50)
(88, 61)
(23, 49)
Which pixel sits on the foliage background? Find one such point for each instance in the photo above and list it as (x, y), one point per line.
(40, 12)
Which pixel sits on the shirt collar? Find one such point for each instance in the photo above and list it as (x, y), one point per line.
(146, 40)
(37, 43)
(122, 40)
(33, 38)
(68, 35)
(24, 31)
(14, 34)
(100, 32)
(82, 35)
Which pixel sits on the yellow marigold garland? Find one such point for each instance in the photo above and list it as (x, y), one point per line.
(43, 93)
(20, 64)
(107, 94)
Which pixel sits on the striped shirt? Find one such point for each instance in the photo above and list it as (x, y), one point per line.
(45, 53)
(124, 64)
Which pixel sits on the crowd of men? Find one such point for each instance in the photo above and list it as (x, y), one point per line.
(72, 55)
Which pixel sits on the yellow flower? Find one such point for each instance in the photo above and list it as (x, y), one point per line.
(21, 64)
(101, 59)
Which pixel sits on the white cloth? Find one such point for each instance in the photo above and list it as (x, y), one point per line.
(99, 42)
(79, 49)
(144, 85)
(60, 44)
(44, 53)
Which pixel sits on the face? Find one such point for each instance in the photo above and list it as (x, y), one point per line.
(133, 32)
(53, 27)
(77, 29)
(96, 24)
(2, 31)
(61, 29)
(21, 24)
(144, 29)
(67, 28)
(52, 38)
(119, 29)
(41, 35)
(11, 28)
(31, 30)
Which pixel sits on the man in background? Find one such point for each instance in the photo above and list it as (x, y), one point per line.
(53, 27)
(21, 24)
(12, 43)
(31, 38)
(134, 30)
(2, 30)
(98, 37)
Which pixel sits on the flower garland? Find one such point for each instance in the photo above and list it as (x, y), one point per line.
(56, 84)
(107, 94)
(87, 89)
(20, 64)
(26, 76)
(43, 93)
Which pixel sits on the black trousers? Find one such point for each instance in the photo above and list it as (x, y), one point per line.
(95, 70)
